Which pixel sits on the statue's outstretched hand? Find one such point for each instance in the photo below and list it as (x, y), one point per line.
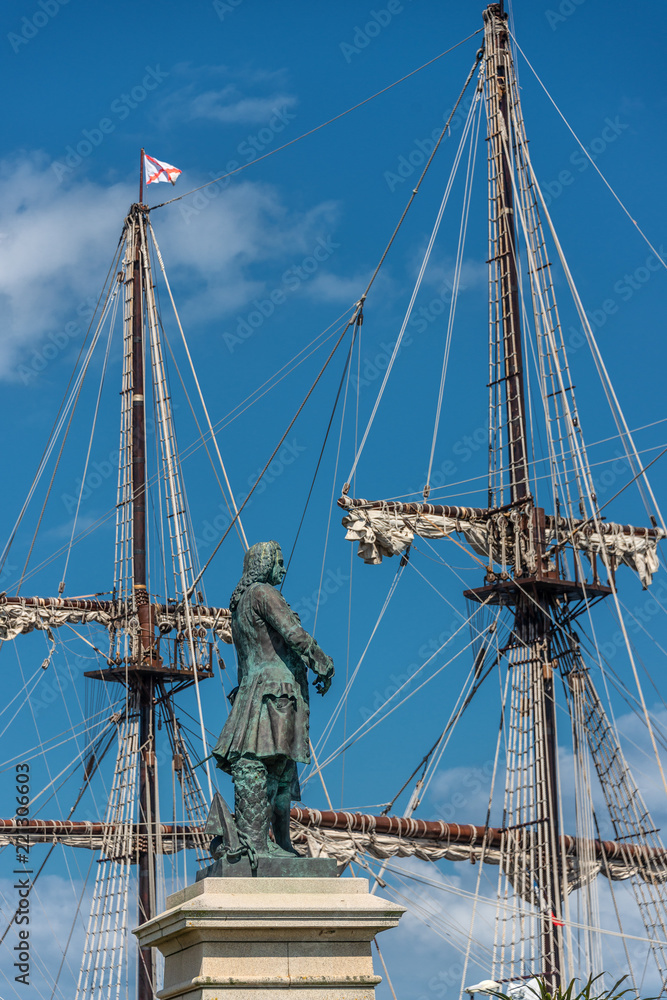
(322, 684)
(323, 680)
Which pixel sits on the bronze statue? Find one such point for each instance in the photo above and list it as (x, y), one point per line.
(266, 733)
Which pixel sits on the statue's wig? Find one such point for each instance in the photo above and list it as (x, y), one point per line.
(258, 564)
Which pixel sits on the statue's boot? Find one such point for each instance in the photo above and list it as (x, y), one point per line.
(251, 802)
(281, 831)
(280, 787)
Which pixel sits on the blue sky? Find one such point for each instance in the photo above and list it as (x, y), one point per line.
(205, 86)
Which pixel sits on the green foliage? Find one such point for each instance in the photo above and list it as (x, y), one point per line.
(588, 992)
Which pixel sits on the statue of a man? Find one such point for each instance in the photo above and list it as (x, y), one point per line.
(266, 733)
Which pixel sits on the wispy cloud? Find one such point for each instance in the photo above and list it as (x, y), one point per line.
(57, 241)
(54, 242)
(440, 272)
(238, 246)
(225, 96)
(328, 287)
(232, 108)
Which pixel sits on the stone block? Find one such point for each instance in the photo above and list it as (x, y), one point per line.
(246, 938)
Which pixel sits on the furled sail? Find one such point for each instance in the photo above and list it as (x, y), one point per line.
(387, 528)
(639, 552)
(345, 836)
(382, 533)
(22, 615)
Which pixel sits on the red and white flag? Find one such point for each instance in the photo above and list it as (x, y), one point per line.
(157, 171)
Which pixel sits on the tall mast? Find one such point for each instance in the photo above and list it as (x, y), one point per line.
(151, 667)
(142, 682)
(533, 602)
(534, 561)
(498, 62)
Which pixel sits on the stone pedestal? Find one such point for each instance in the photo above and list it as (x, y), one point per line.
(248, 938)
(285, 867)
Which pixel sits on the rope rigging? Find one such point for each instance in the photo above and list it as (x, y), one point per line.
(415, 191)
(351, 323)
(64, 402)
(364, 728)
(92, 435)
(199, 392)
(465, 212)
(455, 717)
(590, 158)
(343, 379)
(298, 359)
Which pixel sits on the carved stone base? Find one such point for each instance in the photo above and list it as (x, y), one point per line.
(271, 868)
(248, 938)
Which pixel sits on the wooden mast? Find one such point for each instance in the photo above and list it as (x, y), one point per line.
(141, 678)
(533, 606)
(143, 670)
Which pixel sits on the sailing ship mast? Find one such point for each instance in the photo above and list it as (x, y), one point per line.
(499, 65)
(533, 603)
(146, 674)
(534, 566)
(150, 667)
(141, 671)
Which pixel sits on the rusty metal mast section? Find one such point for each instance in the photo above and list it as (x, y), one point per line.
(534, 558)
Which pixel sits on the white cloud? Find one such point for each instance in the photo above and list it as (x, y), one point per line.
(460, 794)
(218, 94)
(640, 757)
(230, 107)
(60, 907)
(217, 239)
(425, 954)
(57, 242)
(328, 287)
(52, 912)
(440, 271)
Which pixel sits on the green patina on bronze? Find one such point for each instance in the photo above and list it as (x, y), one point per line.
(266, 733)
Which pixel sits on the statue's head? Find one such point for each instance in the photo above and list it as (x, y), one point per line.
(262, 563)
